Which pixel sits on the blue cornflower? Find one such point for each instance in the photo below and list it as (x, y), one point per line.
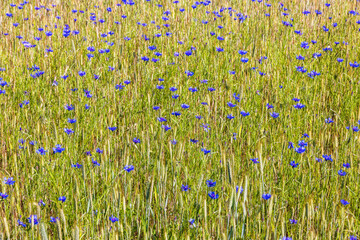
(112, 128)
(20, 223)
(3, 196)
(113, 219)
(266, 196)
(68, 131)
(244, 60)
(189, 73)
(69, 107)
(341, 173)
(328, 120)
(293, 164)
(346, 165)
(176, 113)
(293, 221)
(41, 203)
(9, 181)
(230, 104)
(96, 163)
(304, 45)
(161, 119)
(327, 158)
(82, 73)
(354, 65)
(54, 219)
(76, 165)
(129, 168)
(302, 143)
(301, 58)
(291, 145)
(344, 202)
(299, 106)
(71, 120)
(210, 183)
(58, 149)
(230, 116)
(269, 106)
(300, 150)
(205, 151)
(185, 188)
(33, 219)
(213, 195)
(237, 189)
(244, 114)
(62, 198)
(254, 160)
(41, 151)
(136, 140)
(274, 114)
(145, 59)
(305, 135)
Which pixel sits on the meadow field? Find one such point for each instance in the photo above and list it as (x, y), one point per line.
(159, 119)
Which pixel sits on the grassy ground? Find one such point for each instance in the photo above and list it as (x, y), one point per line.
(103, 200)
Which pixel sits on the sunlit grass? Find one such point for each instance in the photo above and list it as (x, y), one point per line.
(148, 202)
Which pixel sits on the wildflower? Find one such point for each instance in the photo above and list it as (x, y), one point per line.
(20, 223)
(165, 127)
(210, 183)
(346, 165)
(62, 198)
(299, 106)
(58, 149)
(213, 195)
(293, 221)
(341, 173)
(205, 151)
(293, 164)
(327, 158)
(344, 202)
(77, 165)
(41, 151)
(230, 104)
(255, 160)
(68, 131)
(3, 196)
(53, 220)
(129, 168)
(244, 114)
(185, 188)
(113, 219)
(274, 115)
(41, 203)
(112, 128)
(300, 150)
(33, 219)
(266, 196)
(328, 120)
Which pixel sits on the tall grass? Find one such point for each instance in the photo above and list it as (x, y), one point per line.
(148, 202)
